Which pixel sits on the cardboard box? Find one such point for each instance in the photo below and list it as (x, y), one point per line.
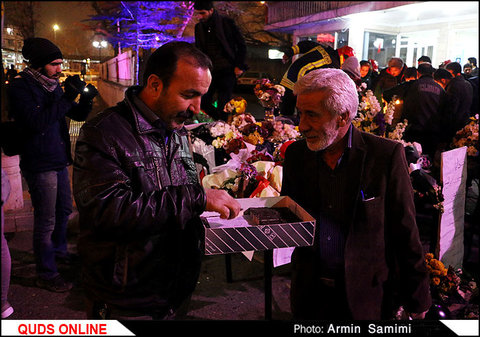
(236, 235)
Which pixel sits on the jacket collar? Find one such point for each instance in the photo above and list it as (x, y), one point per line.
(142, 123)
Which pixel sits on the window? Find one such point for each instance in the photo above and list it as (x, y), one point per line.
(380, 47)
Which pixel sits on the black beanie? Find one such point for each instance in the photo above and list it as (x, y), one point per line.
(40, 52)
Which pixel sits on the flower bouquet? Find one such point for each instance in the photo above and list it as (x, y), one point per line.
(236, 106)
(444, 281)
(468, 136)
(372, 119)
(269, 95)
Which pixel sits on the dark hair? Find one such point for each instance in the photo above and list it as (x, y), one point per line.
(467, 65)
(424, 58)
(410, 72)
(203, 5)
(163, 61)
(455, 67)
(365, 63)
(473, 61)
(442, 74)
(425, 69)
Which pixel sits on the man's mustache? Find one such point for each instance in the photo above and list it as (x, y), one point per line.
(185, 114)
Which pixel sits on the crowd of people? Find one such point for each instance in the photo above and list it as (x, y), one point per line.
(139, 197)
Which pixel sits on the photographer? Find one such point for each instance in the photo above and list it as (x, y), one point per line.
(39, 106)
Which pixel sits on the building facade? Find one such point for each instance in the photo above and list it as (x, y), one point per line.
(380, 30)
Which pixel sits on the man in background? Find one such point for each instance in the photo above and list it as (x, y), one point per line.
(219, 38)
(39, 106)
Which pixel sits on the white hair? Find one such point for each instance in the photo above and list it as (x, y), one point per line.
(343, 96)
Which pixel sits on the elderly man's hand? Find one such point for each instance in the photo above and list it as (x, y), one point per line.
(220, 201)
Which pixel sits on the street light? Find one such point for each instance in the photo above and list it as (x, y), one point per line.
(99, 45)
(55, 28)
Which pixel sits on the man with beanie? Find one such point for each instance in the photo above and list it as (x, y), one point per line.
(219, 38)
(39, 106)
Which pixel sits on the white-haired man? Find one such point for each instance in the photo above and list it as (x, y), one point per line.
(367, 257)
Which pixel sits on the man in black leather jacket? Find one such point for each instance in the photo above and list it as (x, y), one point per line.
(138, 195)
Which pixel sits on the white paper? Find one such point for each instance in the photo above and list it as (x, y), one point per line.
(454, 176)
(282, 256)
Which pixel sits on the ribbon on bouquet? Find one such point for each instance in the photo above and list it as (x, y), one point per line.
(262, 184)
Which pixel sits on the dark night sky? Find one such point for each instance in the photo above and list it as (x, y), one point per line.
(64, 13)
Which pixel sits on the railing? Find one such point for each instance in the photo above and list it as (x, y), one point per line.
(119, 69)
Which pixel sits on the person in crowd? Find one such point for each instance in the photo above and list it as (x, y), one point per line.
(473, 62)
(442, 76)
(410, 74)
(389, 77)
(424, 59)
(138, 196)
(218, 37)
(424, 107)
(367, 74)
(467, 70)
(400, 90)
(461, 89)
(314, 56)
(454, 118)
(368, 260)
(11, 73)
(7, 309)
(39, 106)
(351, 67)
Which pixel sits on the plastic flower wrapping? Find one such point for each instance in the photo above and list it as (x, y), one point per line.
(269, 94)
(251, 153)
(468, 136)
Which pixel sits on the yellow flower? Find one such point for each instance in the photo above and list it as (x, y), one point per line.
(436, 264)
(436, 281)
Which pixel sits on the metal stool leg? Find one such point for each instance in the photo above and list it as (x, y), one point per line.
(228, 267)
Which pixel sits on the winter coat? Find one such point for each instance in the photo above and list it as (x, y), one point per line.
(139, 201)
(41, 115)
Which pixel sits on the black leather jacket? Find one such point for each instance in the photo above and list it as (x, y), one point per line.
(139, 202)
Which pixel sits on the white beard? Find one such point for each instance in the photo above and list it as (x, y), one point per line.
(323, 141)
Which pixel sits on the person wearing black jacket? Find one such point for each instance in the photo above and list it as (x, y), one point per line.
(219, 38)
(39, 106)
(138, 195)
(425, 109)
(389, 77)
(461, 89)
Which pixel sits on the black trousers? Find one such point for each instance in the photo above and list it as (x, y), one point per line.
(319, 299)
(223, 83)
